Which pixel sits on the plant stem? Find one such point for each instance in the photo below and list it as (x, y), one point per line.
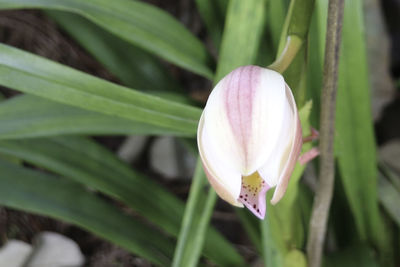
(289, 52)
(189, 228)
(323, 197)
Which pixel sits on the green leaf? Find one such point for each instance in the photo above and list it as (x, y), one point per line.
(300, 17)
(276, 18)
(132, 65)
(241, 38)
(355, 146)
(197, 214)
(213, 15)
(36, 192)
(38, 76)
(273, 248)
(139, 23)
(250, 224)
(28, 116)
(355, 255)
(315, 52)
(90, 164)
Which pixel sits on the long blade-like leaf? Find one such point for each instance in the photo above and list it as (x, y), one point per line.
(241, 38)
(355, 255)
(276, 13)
(139, 23)
(88, 163)
(44, 194)
(213, 15)
(355, 142)
(28, 116)
(195, 221)
(38, 76)
(133, 66)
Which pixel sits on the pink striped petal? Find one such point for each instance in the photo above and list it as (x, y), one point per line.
(240, 114)
(248, 137)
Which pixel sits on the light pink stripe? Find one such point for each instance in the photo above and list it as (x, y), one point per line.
(240, 87)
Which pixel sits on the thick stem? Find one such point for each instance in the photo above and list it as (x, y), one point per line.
(323, 197)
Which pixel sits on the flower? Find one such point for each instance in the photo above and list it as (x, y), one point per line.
(249, 137)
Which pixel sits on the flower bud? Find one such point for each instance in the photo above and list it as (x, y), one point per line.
(249, 137)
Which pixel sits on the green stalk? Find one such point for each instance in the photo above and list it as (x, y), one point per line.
(323, 197)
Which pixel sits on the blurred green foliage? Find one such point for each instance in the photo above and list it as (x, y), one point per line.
(48, 127)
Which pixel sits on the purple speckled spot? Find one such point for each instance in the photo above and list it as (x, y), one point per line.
(253, 197)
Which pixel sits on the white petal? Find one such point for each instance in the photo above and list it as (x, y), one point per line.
(244, 114)
(269, 107)
(221, 140)
(289, 165)
(277, 170)
(225, 179)
(274, 165)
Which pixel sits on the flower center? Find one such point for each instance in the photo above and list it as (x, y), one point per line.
(252, 194)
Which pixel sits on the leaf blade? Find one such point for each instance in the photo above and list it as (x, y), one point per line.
(241, 36)
(133, 66)
(28, 116)
(195, 221)
(355, 146)
(135, 22)
(88, 163)
(61, 199)
(41, 77)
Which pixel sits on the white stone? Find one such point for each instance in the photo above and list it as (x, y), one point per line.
(390, 154)
(131, 148)
(171, 159)
(14, 253)
(163, 157)
(55, 250)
